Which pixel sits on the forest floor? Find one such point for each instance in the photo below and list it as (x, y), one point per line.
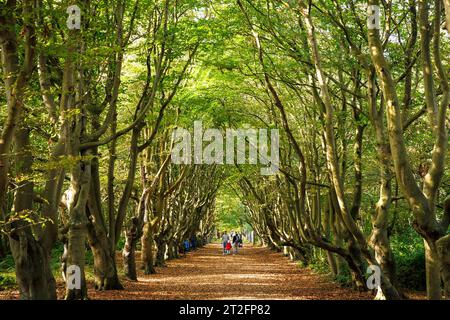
(254, 273)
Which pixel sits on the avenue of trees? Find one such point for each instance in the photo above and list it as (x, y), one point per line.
(87, 116)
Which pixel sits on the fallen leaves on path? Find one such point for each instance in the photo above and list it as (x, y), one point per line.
(254, 273)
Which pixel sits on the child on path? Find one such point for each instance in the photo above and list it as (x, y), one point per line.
(228, 247)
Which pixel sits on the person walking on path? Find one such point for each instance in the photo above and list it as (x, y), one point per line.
(186, 246)
(228, 247)
(225, 239)
(235, 243)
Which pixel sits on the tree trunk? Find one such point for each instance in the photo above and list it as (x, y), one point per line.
(172, 250)
(161, 248)
(447, 14)
(337, 242)
(105, 271)
(76, 258)
(332, 263)
(148, 263)
(32, 266)
(129, 258)
(341, 234)
(32, 260)
(443, 249)
(379, 239)
(383, 252)
(433, 276)
(327, 227)
(129, 251)
(76, 236)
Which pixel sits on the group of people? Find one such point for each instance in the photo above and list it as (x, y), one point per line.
(232, 241)
(188, 245)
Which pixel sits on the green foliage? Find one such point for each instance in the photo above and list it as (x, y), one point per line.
(7, 277)
(57, 252)
(7, 281)
(230, 213)
(318, 263)
(121, 244)
(409, 253)
(7, 264)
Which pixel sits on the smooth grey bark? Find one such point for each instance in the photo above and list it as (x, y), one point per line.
(422, 202)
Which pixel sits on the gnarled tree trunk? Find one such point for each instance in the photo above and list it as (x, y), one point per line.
(147, 244)
(105, 271)
(129, 250)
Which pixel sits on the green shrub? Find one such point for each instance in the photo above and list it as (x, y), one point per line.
(89, 258)
(319, 263)
(7, 281)
(7, 264)
(121, 243)
(57, 252)
(344, 278)
(409, 255)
